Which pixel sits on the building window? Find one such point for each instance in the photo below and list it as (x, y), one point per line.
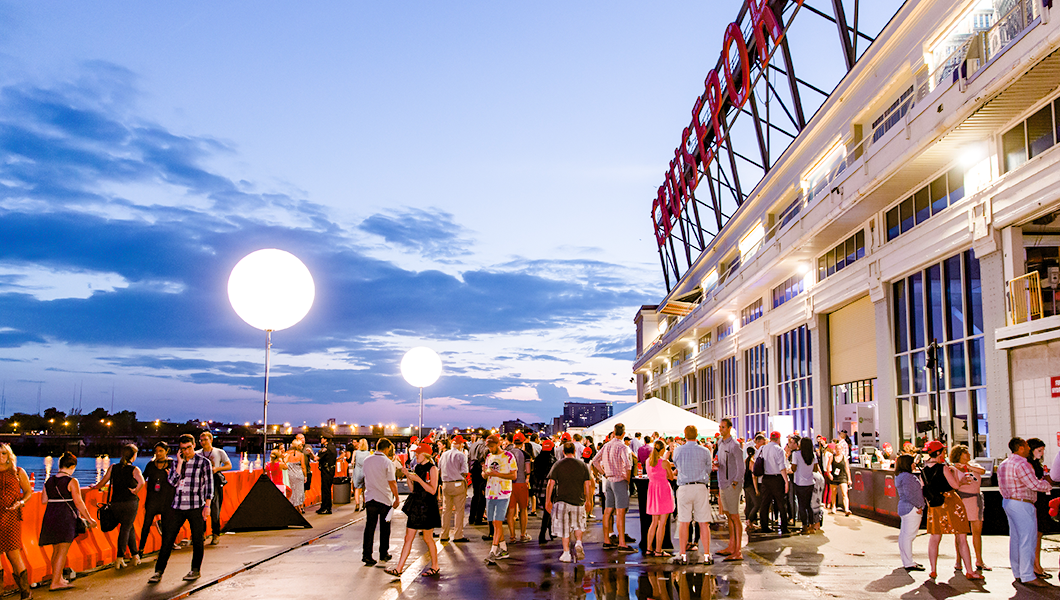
(1031, 137)
(675, 393)
(795, 378)
(842, 256)
(927, 202)
(709, 395)
(729, 389)
(854, 392)
(756, 396)
(941, 303)
(893, 115)
(704, 341)
(751, 313)
(794, 286)
(725, 330)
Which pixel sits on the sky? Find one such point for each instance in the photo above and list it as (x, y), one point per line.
(475, 177)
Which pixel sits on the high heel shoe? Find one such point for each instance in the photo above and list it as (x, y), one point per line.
(120, 563)
(136, 560)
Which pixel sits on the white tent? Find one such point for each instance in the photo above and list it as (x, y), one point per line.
(653, 415)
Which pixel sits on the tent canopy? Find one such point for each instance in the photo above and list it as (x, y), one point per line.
(651, 415)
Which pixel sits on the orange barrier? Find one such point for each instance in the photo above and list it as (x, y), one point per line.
(37, 561)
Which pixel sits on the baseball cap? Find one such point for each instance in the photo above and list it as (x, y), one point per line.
(566, 437)
(519, 438)
(414, 439)
(459, 439)
(493, 439)
(547, 445)
(775, 435)
(934, 446)
(587, 452)
(424, 449)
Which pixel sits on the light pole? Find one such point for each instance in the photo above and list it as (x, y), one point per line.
(271, 290)
(421, 367)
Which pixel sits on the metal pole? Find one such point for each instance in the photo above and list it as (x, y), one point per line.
(265, 416)
(420, 430)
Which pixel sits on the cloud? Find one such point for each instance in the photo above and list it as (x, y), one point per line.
(432, 233)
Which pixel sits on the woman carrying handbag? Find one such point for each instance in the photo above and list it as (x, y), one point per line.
(65, 517)
(125, 481)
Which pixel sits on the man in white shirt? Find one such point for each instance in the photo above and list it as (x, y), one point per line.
(454, 471)
(774, 483)
(380, 495)
(220, 462)
(635, 443)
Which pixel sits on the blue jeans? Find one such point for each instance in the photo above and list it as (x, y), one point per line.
(1022, 537)
(496, 509)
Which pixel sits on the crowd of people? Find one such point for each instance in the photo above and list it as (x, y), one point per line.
(510, 477)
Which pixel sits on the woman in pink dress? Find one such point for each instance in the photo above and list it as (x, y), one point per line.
(660, 496)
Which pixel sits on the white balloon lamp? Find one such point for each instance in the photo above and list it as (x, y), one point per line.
(271, 290)
(421, 367)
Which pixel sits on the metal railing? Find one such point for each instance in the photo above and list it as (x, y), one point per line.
(1024, 298)
(982, 45)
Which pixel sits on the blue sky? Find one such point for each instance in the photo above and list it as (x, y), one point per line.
(475, 177)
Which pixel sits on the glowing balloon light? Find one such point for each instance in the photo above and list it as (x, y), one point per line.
(421, 367)
(271, 289)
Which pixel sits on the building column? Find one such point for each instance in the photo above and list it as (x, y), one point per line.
(886, 406)
(998, 380)
(821, 381)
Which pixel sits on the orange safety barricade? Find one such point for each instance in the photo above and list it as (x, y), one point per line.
(37, 560)
(95, 535)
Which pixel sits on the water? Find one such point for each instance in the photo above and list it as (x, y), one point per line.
(87, 472)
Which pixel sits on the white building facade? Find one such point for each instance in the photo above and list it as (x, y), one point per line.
(920, 204)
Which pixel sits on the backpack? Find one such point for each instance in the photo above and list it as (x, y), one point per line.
(759, 469)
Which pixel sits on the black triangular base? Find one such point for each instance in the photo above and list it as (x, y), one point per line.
(265, 507)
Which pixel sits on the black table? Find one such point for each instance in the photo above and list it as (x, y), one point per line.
(641, 484)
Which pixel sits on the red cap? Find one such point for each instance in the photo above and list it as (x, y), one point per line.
(775, 435)
(518, 438)
(547, 445)
(493, 439)
(565, 437)
(459, 439)
(413, 439)
(424, 449)
(587, 452)
(934, 446)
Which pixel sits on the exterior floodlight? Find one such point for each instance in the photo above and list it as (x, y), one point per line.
(271, 290)
(421, 367)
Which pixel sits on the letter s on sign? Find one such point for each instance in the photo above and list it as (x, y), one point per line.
(713, 94)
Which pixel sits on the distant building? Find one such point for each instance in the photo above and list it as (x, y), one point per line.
(556, 426)
(513, 426)
(331, 423)
(585, 414)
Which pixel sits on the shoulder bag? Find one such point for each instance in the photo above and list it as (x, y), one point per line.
(80, 524)
(108, 521)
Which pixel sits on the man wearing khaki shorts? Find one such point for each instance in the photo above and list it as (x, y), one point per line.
(694, 464)
(730, 480)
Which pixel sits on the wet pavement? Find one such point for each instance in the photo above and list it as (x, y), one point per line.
(853, 558)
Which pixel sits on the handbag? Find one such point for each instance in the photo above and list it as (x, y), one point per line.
(108, 521)
(80, 524)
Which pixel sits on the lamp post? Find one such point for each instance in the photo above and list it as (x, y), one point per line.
(421, 367)
(271, 290)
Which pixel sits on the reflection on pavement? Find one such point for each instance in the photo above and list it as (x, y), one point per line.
(621, 583)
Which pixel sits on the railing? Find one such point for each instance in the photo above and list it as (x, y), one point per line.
(1024, 298)
(983, 45)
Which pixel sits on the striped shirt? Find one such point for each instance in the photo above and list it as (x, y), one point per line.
(615, 460)
(1015, 477)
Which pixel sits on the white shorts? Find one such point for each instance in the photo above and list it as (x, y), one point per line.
(693, 503)
(567, 518)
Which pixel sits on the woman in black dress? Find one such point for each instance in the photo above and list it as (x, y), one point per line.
(421, 508)
(125, 482)
(62, 495)
(542, 466)
(159, 492)
(1041, 505)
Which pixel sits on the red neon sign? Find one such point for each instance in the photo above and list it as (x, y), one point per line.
(678, 186)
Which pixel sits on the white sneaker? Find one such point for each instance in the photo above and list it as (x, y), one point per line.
(565, 557)
(579, 552)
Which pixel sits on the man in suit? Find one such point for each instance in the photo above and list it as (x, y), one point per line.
(326, 460)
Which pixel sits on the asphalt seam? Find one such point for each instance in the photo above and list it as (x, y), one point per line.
(266, 559)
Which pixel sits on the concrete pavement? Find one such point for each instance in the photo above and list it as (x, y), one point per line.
(853, 558)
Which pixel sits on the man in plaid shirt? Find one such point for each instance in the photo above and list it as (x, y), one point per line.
(615, 461)
(192, 477)
(1019, 489)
